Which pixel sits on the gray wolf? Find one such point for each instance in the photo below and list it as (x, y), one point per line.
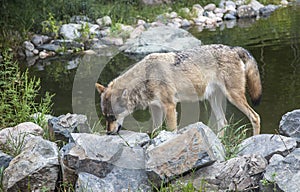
(160, 80)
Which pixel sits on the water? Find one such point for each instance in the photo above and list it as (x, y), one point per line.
(273, 41)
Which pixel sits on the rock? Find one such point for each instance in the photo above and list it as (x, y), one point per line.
(256, 5)
(70, 31)
(38, 40)
(267, 10)
(28, 53)
(35, 51)
(28, 45)
(68, 44)
(190, 149)
(104, 22)
(127, 138)
(285, 172)
(161, 39)
(64, 125)
(137, 31)
(290, 125)
(246, 11)
(185, 23)
(141, 22)
(229, 16)
(230, 6)
(4, 160)
(237, 174)
(197, 10)
(49, 47)
(155, 2)
(45, 54)
(79, 18)
(173, 15)
(21, 131)
(34, 169)
(284, 2)
(267, 145)
(210, 7)
(109, 159)
(112, 41)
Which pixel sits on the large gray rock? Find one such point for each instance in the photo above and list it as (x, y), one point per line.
(34, 169)
(108, 158)
(13, 135)
(267, 145)
(237, 174)
(285, 172)
(38, 40)
(64, 125)
(190, 149)
(290, 124)
(161, 39)
(267, 10)
(70, 31)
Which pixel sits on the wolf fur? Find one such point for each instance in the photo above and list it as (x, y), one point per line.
(160, 80)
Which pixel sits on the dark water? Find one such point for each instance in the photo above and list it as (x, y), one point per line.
(273, 41)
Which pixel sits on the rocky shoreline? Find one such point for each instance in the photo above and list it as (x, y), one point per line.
(134, 162)
(81, 34)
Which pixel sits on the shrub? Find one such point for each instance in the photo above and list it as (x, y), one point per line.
(18, 94)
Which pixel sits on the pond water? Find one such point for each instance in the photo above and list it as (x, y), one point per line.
(273, 41)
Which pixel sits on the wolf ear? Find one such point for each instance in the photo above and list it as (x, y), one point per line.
(125, 94)
(100, 88)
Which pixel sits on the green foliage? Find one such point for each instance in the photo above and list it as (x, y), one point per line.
(14, 144)
(51, 26)
(234, 134)
(18, 94)
(178, 186)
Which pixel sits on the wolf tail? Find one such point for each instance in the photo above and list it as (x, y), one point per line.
(252, 75)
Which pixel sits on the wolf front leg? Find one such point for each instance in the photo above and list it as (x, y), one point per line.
(171, 118)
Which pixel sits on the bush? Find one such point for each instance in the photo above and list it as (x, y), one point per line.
(18, 94)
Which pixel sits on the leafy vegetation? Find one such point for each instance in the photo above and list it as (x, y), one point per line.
(19, 95)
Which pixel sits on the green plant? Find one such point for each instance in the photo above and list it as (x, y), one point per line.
(51, 26)
(19, 94)
(14, 144)
(1, 178)
(234, 134)
(271, 183)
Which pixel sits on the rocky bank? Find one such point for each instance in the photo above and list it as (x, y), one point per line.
(132, 161)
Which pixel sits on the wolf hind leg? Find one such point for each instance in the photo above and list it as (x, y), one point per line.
(217, 118)
(239, 100)
(157, 115)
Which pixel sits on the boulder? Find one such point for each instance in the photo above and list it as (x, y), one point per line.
(20, 133)
(34, 169)
(104, 21)
(290, 125)
(28, 45)
(267, 145)
(237, 174)
(285, 172)
(256, 5)
(38, 40)
(49, 47)
(267, 10)
(193, 147)
(70, 31)
(108, 158)
(64, 125)
(112, 41)
(160, 39)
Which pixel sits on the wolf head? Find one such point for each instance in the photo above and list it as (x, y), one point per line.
(114, 106)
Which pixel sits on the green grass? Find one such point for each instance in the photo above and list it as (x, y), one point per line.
(234, 134)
